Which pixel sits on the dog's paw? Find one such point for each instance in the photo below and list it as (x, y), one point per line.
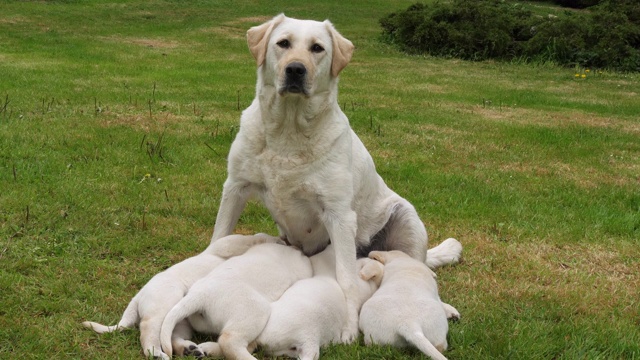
(452, 313)
(211, 349)
(349, 335)
(189, 349)
(193, 350)
(155, 353)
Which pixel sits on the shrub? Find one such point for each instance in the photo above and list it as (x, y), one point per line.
(607, 36)
(467, 29)
(577, 4)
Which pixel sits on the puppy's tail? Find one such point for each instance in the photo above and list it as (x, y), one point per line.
(416, 338)
(447, 253)
(185, 307)
(129, 319)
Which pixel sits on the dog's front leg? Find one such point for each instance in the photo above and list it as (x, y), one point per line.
(342, 227)
(234, 198)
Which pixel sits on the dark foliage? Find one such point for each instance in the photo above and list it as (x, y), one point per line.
(606, 36)
(577, 4)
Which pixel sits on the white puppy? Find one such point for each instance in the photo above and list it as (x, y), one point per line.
(234, 300)
(150, 305)
(296, 151)
(406, 309)
(312, 312)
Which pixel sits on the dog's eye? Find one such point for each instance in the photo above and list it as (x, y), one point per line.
(317, 48)
(284, 44)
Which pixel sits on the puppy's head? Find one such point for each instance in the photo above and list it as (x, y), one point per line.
(298, 57)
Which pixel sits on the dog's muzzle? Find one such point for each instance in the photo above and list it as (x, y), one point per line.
(295, 77)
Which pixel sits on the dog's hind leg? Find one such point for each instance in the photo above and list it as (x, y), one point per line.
(235, 346)
(415, 337)
(446, 253)
(180, 340)
(243, 326)
(129, 319)
(451, 312)
(404, 231)
(150, 337)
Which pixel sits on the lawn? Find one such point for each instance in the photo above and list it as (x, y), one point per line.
(116, 119)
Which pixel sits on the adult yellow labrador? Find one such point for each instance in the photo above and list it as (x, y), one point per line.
(296, 151)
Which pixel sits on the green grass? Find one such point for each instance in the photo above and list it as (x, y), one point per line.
(119, 116)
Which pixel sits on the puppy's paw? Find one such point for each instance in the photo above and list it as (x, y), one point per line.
(452, 313)
(211, 349)
(349, 334)
(193, 350)
(155, 353)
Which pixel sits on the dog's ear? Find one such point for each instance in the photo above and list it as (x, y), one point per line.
(342, 50)
(258, 38)
(372, 270)
(378, 256)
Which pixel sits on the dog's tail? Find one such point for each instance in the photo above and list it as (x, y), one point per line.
(130, 318)
(185, 307)
(416, 337)
(448, 252)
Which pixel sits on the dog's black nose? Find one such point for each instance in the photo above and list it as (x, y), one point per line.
(295, 78)
(295, 69)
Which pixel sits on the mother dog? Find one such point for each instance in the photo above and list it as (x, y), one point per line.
(296, 151)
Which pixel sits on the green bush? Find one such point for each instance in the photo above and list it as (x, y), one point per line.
(467, 29)
(607, 36)
(577, 4)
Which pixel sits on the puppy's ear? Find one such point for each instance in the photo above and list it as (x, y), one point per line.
(342, 50)
(372, 270)
(378, 256)
(258, 38)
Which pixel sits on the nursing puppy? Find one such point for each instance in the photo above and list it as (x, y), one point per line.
(234, 300)
(296, 151)
(312, 312)
(150, 305)
(406, 309)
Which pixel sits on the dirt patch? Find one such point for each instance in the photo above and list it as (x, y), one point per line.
(147, 42)
(250, 19)
(595, 279)
(513, 115)
(236, 29)
(225, 31)
(14, 20)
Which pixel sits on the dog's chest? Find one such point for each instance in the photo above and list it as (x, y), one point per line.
(292, 193)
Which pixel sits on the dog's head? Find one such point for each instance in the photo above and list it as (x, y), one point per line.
(298, 57)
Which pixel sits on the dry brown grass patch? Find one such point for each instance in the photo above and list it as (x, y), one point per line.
(516, 115)
(147, 42)
(596, 279)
